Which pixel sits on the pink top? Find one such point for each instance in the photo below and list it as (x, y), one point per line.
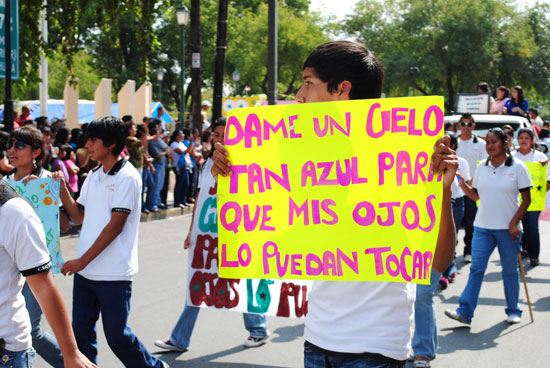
(497, 107)
(73, 178)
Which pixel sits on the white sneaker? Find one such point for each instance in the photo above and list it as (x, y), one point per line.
(168, 345)
(513, 319)
(468, 258)
(254, 342)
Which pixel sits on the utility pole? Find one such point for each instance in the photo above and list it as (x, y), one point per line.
(8, 102)
(272, 53)
(196, 82)
(221, 42)
(43, 85)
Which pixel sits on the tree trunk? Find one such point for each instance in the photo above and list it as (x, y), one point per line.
(196, 81)
(221, 42)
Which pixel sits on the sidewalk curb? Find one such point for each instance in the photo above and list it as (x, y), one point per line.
(163, 214)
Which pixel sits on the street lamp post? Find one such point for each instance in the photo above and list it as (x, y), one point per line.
(160, 77)
(236, 77)
(182, 15)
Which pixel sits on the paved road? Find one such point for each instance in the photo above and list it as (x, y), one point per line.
(159, 296)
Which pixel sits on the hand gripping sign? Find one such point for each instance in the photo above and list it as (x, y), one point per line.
(338, 191)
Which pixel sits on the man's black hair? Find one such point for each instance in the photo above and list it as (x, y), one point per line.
(41, 121)
(337, 61)
(126, 118)
(466, 115)
(110, 130)
(152, 130)
(484, 87)
(221, 121)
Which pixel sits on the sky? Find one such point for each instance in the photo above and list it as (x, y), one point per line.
(340, 8)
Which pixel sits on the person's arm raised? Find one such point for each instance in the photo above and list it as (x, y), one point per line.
(222, 165)
(76, 212)
(445, 162)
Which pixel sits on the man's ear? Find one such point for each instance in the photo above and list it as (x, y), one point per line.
(344, 90)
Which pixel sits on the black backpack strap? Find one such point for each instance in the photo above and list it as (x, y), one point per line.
(7, 193)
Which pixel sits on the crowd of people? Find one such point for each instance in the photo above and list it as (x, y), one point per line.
(113, 169)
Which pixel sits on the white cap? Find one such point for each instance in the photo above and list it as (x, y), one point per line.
(206, 103)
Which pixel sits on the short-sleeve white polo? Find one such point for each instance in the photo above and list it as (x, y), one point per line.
(498, 189)
(23, 252)
(118, 190)
(472, 151)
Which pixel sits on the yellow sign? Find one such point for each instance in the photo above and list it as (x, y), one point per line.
(331, 191)
(538, 192)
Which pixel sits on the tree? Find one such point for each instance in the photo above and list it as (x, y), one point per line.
(455, 44)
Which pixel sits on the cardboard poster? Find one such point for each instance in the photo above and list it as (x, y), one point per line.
(538, 173)
(283, 298)
(43, 196)
(331, 191)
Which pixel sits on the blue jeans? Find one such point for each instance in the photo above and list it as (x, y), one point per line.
(112, 300)
(182, 183)
(316, 359)
(483, 244)
(18, 359)
(158, 176)
(44, 343)
(531, 237)
(425, 332)
(458, 215)
(149, 183)
(181, 334)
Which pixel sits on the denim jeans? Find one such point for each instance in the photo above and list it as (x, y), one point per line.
(425, 331)
(483, 244)
(44, 343)
(531, 237)
(256, 325)
(18, 359)
(458, 215)
(470, 211)
(149, 183)
(316, 359)
(182, 183)
(158, 177)
(112, 300)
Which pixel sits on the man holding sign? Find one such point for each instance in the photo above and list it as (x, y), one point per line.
(355, 323)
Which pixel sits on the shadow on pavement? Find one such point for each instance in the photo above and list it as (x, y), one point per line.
(288, 333)
(206, 361)
(463, 339)
(542, 305)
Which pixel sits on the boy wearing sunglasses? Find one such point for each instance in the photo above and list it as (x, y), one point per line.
(472, 149)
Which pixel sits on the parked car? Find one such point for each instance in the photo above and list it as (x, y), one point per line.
(484, 122)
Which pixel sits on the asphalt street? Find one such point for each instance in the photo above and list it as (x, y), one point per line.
(159, 296)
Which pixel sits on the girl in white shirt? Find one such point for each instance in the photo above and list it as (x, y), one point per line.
(531, 237)
(497, 182)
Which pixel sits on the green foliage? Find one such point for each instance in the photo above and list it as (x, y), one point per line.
(455, 44)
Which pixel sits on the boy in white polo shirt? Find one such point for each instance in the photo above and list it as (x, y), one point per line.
(109, 209)
(23, 254)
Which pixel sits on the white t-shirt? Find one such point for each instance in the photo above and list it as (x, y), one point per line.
(534, 156)
(22, 251)
(361, 317)
(175, 155)
(102, 193)
(472, 152)
(464, 170)
(498, 190)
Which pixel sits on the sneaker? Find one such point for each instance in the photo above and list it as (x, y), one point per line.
(534, 262)
(452, 277)
(168, 345)
(421, 364)
(164, 364)
(457, 317)
(468, 258)
(513, 319)
(443, 282)
(254, 342)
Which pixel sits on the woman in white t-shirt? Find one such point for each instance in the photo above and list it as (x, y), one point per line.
(178, 148)
(531, 237)
(497, 182)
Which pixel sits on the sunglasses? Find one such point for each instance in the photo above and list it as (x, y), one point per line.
(17, 144)
(511, 134)
(469, 125)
